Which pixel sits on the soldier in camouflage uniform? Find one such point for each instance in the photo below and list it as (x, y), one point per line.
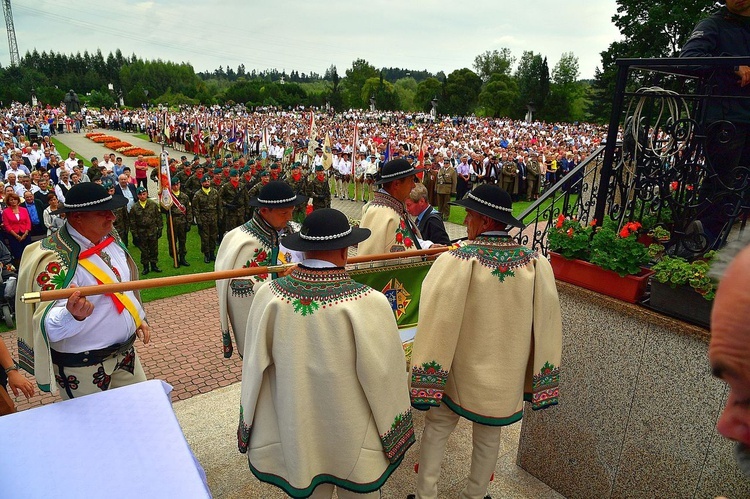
(234, 202)
(206, 208)
(147, 224)
(298, 183)
(181, 222)
(193, 183)
(319, 190)
(252, 191)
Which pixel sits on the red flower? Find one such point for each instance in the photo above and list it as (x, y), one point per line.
(399, 237)
(560, 221)
(593, 223)
(570, 232)
(262, 256)
(403, 224)
(408, 242)
(674, 185)
(689, 187)
(624, 232)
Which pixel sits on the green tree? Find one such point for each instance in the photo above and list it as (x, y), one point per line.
(426, 91)
(406, 89)
(654, 28)
(490, 62)
(461, 92)
(565, 91)
(533, 81)
(498, 95)
(355, 79)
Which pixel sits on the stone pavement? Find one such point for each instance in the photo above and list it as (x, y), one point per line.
(185, 351)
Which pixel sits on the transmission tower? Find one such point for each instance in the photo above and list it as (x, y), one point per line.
(15, 60)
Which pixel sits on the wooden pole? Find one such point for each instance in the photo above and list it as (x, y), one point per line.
(171, 233)
(119, 287)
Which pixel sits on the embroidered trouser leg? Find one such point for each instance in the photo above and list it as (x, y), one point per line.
(439, 422)
(325, 491)
(114, 372)
(485, 448)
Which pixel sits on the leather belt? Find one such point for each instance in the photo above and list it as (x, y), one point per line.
(91, 357)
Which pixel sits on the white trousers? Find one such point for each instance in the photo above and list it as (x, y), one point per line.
(438, 425)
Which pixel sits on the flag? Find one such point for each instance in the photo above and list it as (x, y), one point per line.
(327, 153)
(420, 158)
(165, 181)
(402, 284)
(245, 141)
(167, 133)
(355, 148)
(312, 143)
(387, 154)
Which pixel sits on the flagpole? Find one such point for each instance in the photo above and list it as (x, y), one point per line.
(120, 287)
(171, 233)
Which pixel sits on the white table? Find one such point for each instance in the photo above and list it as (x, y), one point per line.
(124, 442)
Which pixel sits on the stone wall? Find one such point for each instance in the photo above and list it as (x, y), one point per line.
(638, 408)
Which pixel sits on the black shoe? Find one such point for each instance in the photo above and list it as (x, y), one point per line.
(155, 268)
(206, 258)
(212, 256)
(184, 262)
(145, 270)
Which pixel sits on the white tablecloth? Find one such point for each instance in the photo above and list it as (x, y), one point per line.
(124, 442)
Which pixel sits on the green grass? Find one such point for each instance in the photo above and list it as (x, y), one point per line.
(194, 258)
(64, 151)
(141, 136)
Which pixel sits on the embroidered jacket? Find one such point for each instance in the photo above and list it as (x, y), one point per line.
(252, 244)
(489, 331)
(391, 228)
(49, 264)
(324, 392)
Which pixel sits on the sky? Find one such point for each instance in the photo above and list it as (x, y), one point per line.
(310, 36)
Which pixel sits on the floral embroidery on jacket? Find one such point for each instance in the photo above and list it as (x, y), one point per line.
(309, 290)
(499, 254)
(427, 383)
(399, 437)
(544, 387)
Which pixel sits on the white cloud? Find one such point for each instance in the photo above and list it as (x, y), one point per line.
(310, 36)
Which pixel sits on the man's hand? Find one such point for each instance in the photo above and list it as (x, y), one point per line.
(744, 73)
(78, 306)
(287, 271)
(144, 333)
(19, 384)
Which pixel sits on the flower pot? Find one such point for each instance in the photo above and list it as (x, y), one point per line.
(587, 275)
(682, 302)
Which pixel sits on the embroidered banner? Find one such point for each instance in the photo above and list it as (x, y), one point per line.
(402, 285)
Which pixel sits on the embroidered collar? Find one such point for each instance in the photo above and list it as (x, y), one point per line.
(382, 198)
(262, 230)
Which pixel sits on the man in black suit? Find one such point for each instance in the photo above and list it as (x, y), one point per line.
(428, 219)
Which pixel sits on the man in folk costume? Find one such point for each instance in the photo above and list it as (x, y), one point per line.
(255, 243)
(298, 433)
(82, 344)
(386, 217)
(477, 361)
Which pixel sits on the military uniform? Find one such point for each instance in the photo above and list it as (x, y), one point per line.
(147, 225)
(445, 185)
(206, 209)
(233, 205)
(533, 179)
(180, 225)
(509, 177)
(320, 192)
(121, 223)
(299, 186)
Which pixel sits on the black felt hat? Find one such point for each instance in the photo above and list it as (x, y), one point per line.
(90, 196)
(396, 169)
(277, 194)
(325, 229)
(492, 201)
